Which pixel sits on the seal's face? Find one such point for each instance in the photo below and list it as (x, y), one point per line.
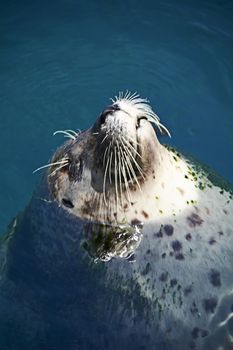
(109, 161)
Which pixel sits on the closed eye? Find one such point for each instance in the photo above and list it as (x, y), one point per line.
(67, 203)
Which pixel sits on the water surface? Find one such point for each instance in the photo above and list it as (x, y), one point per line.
(60, 61)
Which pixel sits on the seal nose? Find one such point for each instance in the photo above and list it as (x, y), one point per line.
(109, 110)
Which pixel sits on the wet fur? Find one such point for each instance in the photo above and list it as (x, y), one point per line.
(173, 293)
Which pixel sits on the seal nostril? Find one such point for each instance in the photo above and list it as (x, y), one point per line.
(108, 110)
(67, 203)
(115, 107)
(138, 121)
(103, 117)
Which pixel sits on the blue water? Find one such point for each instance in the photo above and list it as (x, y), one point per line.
(60, 62)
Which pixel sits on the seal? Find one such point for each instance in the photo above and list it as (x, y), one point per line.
(126, 243)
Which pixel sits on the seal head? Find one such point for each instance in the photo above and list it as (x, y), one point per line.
(98, 173)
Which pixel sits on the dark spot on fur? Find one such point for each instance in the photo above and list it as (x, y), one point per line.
(146, 269)
(148, 251)
(207, 211)
(192, 345)
(179, 256)
(115, 215)
(168, 229)
(215, 279)
(188, 290)
(225, 211)
(195, 332)
(144, 214)
(176, 245)
(173, 282)
(210, 304)
(171, 253)
(182, 192)
(164, 255)
(88, 207)
(137, 223)
(169, 330)
(163, 277)
(194, 309)
(136, 211)
(125, 206)
(188, 237)
(220, 233)
(158, 234)
(194, 220)
(212, 241)
(153, 177)
(204, 333)
(163, 295)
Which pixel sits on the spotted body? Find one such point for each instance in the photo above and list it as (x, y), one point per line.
(123, 246)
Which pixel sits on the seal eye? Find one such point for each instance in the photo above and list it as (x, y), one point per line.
(67, 203)
(138, 121)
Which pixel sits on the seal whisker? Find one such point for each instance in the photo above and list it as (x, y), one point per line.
(109, 149)
(127, 95)
(105, 137)
(133, 172)
(133, 96)
(120, 173)
(116, 182)
(154, 119)
(135, 162)
(142, 106)
(65, 133)
(125, 177)
(132, 140)
(62, 161)
(104, 184)
(76, 133)
(105, 152)
(58, 168)
(110, 169)
(128, 144)
(127, 162)
(68, 137)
